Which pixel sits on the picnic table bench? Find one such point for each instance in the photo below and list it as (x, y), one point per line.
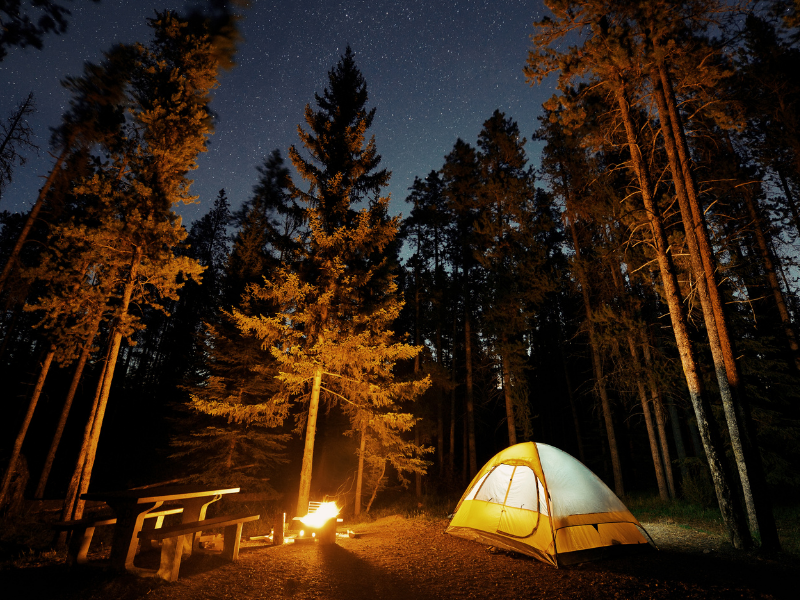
(133, 507)
(83, 531)
(172, 540)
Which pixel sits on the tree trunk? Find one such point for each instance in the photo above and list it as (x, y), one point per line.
(510, 421)
(417, 475)
(473, 455)
(677, 436)
(734, 399)
(70, 501)
(440, 431)
(575, 420)
(116, 341)
(464, 449)
(23, 430)
(360, 475)
(62, 420)
(451, 459)
(728, 501)
(308, 450)
(661, 420)
(597, 365)
(663, 490)
(772, 277)
(377, 485)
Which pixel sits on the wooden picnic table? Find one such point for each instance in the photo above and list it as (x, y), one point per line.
(131, 506)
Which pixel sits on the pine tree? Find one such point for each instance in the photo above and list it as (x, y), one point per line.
(610, 54)
(461, 177)
(330, 333)
(510, 251)
(143, 178)
(236, 382)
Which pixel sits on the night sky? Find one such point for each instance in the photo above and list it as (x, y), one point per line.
(435, 71)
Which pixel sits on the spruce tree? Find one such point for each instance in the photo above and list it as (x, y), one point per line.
(511, 252)
(330, 333)
(232, 416)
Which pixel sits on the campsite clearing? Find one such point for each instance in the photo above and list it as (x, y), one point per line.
(404, 558)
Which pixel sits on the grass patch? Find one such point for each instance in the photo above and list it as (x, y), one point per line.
(693, 516)
(787, 517)
(681, 512)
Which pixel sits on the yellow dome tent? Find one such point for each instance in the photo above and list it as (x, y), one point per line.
(538, 500)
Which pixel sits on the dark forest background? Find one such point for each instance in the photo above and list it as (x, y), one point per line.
(629, 297)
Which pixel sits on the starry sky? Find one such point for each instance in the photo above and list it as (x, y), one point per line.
(435, 71)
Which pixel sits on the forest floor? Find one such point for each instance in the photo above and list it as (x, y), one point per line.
(412, 558)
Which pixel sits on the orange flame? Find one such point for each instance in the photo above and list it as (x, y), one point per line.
(326, 510)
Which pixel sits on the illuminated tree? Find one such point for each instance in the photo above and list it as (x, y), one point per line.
(138, 185)
(236, 382)
(618, 38)
(95, 116)
(330, 332)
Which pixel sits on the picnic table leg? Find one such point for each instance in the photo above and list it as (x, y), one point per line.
(194, 509)
(130, 518)
(151, 523)
(171, 551)
(79, 545)
(230, 547)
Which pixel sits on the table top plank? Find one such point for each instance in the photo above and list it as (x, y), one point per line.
(158, 494)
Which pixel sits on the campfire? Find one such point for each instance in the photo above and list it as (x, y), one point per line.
(319, 523)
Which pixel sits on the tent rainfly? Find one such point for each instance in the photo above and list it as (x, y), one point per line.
(538, 500)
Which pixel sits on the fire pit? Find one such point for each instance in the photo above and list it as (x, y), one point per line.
(319, 524)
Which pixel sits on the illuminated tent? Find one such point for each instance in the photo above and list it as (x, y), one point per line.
(538, 500)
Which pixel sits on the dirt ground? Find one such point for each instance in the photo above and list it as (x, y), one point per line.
(397, 558)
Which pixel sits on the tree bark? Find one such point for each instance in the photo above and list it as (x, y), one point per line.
(728, 502)
(70, 501)
(575, 420)
(772, 277)
(663, 490)
(360, 475)
(661, 420)
(23, 430)
(597, 365)
(308, 450)
(677, 436)
(510, 420)
(62, 420)
(734, 399)
(116, 342)
(377, 486)
(473, 455)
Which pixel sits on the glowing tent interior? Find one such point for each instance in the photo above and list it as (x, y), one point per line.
(538, 500)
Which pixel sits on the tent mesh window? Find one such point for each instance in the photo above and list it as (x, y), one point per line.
(511, 485)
